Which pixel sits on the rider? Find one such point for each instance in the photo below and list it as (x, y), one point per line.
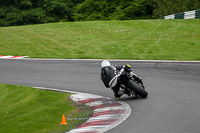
(109, 71)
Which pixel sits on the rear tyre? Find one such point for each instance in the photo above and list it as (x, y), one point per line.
(137, 88)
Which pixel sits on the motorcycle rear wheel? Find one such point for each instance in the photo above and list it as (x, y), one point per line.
(137, 88)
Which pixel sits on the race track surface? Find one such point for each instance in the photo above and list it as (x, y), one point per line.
(173, 105)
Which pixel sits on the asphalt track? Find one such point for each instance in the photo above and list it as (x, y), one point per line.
(173, 105)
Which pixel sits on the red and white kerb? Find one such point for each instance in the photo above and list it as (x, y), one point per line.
(107, 113)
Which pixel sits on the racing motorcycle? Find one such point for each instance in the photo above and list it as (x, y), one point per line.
(129, 84)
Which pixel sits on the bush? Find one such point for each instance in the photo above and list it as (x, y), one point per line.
(34, 12)
(21, 12)
(60, 10)
(116, 9)
(10, 16)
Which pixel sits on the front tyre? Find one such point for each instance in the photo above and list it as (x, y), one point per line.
(137, 88)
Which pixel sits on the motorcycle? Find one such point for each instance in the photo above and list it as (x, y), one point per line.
(129, 84)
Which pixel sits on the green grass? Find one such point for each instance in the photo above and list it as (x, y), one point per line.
(29, 110)
(135, 39)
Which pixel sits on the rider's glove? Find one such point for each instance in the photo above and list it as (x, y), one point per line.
(133, 74)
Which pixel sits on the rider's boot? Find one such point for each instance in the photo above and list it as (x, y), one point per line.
(116, 91)
(117, 96)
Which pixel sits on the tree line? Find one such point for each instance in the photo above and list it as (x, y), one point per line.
(21, 12)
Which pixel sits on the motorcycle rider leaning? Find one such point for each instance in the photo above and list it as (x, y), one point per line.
(109, 71)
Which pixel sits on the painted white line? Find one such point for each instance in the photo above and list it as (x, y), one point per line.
(84, 96)
(86, 129)
(60, 90)
(12, 57)
(4, 57)
(94, 103)
(105, 117)
(108, 108)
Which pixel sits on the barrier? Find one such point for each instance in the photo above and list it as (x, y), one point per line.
(195, 14)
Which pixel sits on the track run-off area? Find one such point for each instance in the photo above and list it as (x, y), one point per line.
(174, 89)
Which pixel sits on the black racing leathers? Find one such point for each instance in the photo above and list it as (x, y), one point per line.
(108, 72)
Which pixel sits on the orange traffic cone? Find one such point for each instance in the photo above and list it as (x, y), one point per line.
(63, 122)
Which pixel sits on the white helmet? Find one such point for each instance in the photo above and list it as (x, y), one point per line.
(105, 63)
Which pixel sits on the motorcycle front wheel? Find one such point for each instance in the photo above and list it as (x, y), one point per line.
(137, 88)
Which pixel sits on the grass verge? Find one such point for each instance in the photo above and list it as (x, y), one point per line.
(29, 110)
(134, 39)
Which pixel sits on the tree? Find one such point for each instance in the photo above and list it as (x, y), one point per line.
(20, 12)
(115, 9)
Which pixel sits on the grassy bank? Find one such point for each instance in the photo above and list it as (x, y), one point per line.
(29, 110)
(136, 39)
